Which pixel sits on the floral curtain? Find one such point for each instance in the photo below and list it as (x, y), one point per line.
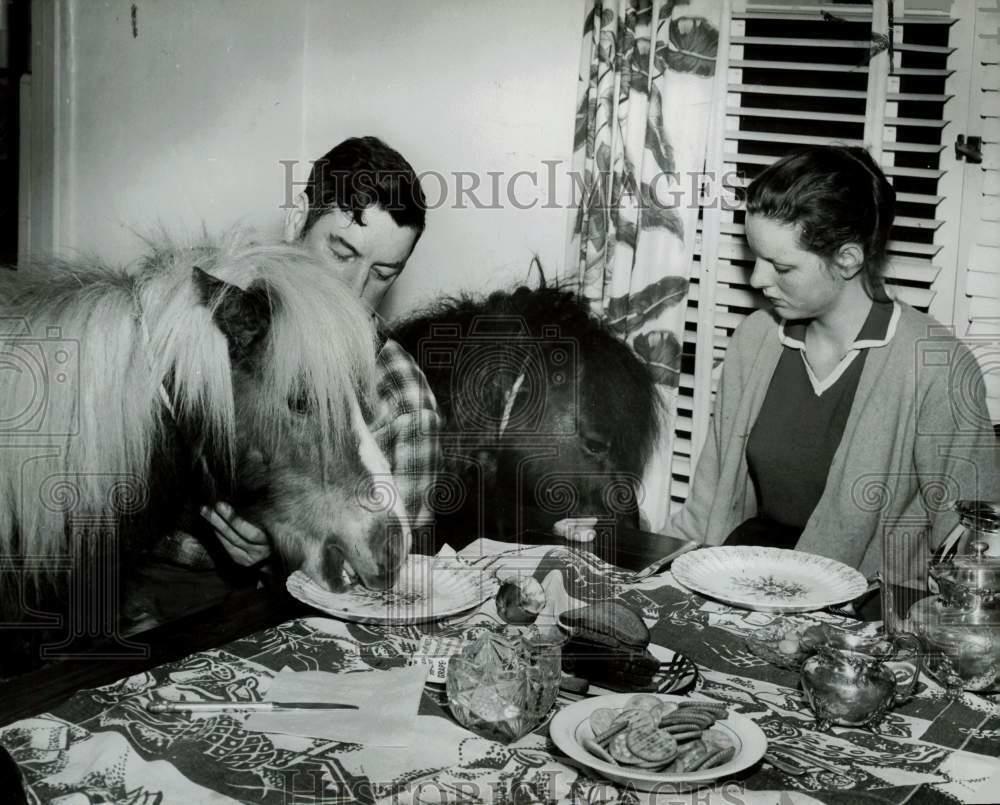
(643, 102)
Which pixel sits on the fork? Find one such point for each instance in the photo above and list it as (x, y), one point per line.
(784, 765)
(657, 566)
(849, 609)
(674, 671)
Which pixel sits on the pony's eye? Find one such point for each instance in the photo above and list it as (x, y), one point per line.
(300, 404)
(595, 446)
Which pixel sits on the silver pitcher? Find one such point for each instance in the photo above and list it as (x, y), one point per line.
(979, 521)
(960, 626)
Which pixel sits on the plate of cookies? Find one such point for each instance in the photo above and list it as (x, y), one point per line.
(655, 741)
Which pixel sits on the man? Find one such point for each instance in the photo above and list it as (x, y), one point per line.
(362, 213)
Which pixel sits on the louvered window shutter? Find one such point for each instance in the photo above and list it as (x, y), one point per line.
(799, 73)
(977, 303)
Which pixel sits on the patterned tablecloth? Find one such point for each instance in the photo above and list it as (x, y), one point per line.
(103, 746)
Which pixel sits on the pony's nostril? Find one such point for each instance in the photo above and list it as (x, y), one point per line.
(333, 569)
(397, 546)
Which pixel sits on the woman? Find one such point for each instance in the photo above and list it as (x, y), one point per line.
(843, 420)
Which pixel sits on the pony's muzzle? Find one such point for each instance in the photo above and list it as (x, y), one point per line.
(374, 556)
(393, 552)
(388, 535)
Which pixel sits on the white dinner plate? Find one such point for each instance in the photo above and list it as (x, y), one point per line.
(768, 579)
(571, 724)
(428, 589)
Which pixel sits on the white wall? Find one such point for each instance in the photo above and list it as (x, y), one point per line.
(172, 125)
(455, 86)
(183, 120)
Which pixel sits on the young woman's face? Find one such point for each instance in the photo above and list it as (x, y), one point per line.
(799, 284)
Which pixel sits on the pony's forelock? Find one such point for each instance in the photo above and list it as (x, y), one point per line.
(329, 361)
(319, 343)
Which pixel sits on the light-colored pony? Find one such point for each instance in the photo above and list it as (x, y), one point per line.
(230, 370)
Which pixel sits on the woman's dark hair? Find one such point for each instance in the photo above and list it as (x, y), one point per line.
(834, 195)
(363, 172)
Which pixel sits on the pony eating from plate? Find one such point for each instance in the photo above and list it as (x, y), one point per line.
(232, 370)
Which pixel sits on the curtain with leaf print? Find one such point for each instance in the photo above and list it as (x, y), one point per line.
(643, 103)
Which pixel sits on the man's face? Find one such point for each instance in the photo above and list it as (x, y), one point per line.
(369, 257)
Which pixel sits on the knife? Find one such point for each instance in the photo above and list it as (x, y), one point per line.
(248, 707)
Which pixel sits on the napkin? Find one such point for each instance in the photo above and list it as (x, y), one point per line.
(387, 706)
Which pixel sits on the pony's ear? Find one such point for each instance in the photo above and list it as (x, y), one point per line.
(243, 316)
(536, 267)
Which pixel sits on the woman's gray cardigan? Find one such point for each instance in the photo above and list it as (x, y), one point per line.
(918, 437)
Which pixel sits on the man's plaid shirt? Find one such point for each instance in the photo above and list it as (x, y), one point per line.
(406, 424)
(406, 427)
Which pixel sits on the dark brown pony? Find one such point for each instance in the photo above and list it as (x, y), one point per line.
(547, 414)
(233, 371)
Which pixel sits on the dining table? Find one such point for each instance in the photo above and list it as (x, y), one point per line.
(82, 732)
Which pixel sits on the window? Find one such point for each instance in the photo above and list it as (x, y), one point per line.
(813, 73)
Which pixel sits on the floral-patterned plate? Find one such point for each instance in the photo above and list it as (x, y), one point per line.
(768, 579)
(428, 589)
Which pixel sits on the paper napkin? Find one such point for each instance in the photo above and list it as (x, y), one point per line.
(387, 705)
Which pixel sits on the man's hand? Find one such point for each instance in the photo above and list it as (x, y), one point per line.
(246, 544)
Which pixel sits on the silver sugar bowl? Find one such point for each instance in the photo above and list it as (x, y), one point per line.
(847, 681)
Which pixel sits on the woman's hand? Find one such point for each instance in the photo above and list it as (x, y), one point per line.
(246, 544)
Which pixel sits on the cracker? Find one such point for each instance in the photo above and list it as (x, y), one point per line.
(619, 749)
(651, 744)
(635, 718)
(616, 728)
(643, 701)
(696, 718)
(686, 734)
(597, 750)
(661, 711)
(717, 738)
(716, 758)
(703, 703)
(691, 758)
(602, 718)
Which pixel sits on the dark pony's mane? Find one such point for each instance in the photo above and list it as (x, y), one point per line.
(547, 316)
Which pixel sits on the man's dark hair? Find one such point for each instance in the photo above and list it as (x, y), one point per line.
(363, 172)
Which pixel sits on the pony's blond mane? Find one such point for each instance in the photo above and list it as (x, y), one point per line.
(90, 449)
